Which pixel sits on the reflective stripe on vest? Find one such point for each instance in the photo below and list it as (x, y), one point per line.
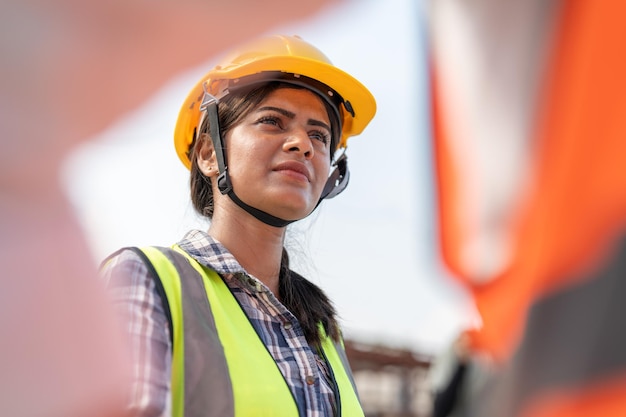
(220, 366)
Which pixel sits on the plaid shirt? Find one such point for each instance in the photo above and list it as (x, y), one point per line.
(135, 296)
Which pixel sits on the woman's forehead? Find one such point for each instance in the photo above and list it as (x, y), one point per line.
(296, 100)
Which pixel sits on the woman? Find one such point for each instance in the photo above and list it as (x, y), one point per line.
(218, 323)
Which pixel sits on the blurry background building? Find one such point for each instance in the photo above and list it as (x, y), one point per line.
(392, 382)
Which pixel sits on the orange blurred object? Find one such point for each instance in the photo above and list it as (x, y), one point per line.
(551, 301)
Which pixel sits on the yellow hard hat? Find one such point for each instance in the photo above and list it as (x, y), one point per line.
(283, 54)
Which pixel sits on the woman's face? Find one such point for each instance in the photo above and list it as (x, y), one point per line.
(279, 154)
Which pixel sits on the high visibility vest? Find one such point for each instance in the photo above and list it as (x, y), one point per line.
(220, 366)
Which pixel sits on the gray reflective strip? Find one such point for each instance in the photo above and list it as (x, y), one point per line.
(573, 338)
(208, 389)
(346, 365)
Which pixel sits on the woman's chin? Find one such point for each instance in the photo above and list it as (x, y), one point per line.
(291, 210)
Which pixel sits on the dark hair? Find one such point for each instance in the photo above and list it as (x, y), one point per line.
(308, 303)
(305, 300)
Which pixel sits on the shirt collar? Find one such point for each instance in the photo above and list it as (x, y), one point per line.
(210, 252)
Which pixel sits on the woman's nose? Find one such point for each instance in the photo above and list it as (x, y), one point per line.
(298, 141)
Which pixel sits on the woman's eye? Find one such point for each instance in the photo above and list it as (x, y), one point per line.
(321, 136)
(269, 120)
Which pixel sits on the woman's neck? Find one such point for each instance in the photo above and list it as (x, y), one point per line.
(256, 246)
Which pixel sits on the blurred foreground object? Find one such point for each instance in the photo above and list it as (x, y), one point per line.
(70, 68)
(528, 106)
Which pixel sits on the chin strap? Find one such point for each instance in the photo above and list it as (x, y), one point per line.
(336, 183)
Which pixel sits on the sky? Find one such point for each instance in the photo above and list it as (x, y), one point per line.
(373, 248)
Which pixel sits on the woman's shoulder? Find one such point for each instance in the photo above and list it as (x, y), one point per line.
(124, 267)
(123, 256)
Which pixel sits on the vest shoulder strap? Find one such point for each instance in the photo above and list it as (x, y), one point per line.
(199, 387)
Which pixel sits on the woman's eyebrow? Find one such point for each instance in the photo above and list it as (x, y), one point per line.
(291, 115)
(314, 122)
(282, 111)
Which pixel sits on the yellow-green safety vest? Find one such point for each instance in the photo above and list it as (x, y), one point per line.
(220, 366)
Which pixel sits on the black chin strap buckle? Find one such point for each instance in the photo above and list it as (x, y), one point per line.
(223, 182)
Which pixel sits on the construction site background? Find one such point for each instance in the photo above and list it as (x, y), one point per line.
(391, 382)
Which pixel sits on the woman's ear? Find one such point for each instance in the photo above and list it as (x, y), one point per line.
(205, 156)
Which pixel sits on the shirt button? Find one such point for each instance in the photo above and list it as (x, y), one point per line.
(287, 325)
(310, 379)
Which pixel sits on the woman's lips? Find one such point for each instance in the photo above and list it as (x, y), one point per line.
(293, 166)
